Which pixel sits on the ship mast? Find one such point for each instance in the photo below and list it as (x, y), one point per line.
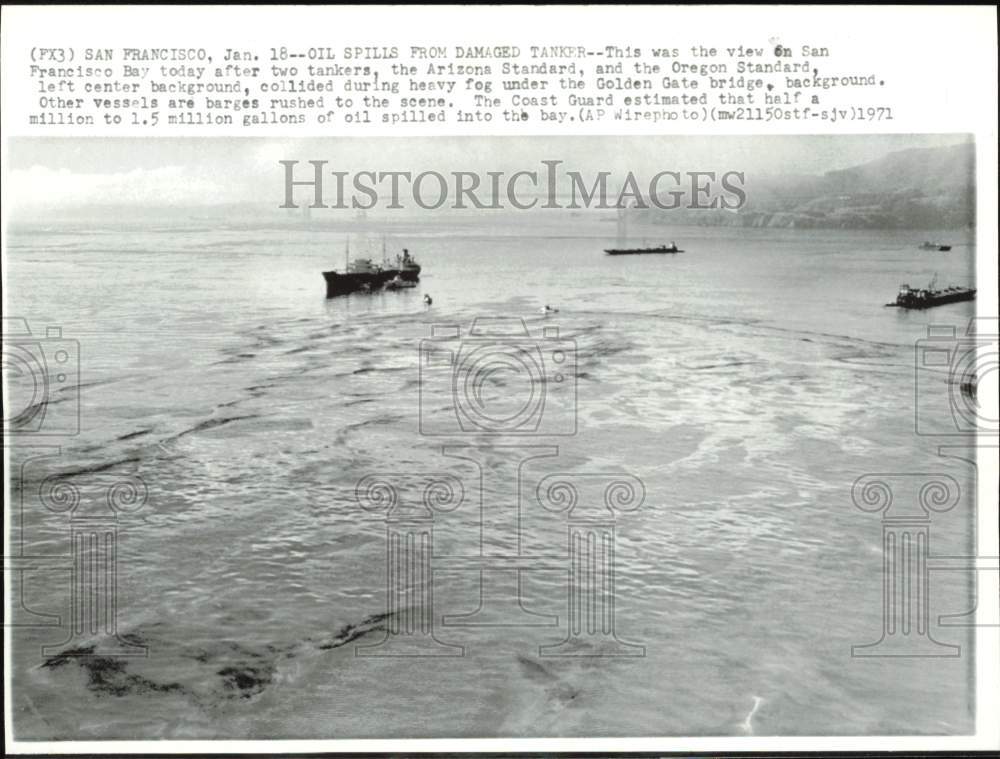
(622, 221)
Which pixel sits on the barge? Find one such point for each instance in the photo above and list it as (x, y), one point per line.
(921, 298)
(659, 249)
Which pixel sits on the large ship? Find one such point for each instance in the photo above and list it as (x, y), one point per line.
(928, 297)
(361, 275)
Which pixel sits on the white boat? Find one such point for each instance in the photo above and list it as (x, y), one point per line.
(398, 283)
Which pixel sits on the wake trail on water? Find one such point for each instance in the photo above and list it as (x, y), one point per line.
(747, 725)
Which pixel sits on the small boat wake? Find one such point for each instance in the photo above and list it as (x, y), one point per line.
(747, 725)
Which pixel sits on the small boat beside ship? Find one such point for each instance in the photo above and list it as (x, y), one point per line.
(928, 297)
(398, 283)
(362, 275)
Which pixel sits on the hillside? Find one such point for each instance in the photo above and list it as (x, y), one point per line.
(923, 188)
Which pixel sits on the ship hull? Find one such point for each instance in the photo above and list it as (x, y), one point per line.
(641, 251)
(410, 273)
(353, 282)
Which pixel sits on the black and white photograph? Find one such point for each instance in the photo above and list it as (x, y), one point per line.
(495, 437)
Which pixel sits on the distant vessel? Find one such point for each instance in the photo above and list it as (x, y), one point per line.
(927, 245)
(361, 275)
(928, 297)
(671, 248)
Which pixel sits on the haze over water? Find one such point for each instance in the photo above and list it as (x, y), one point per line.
(747, 383)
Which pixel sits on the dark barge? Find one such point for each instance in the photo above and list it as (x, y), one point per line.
(921, 298)
(660, 249)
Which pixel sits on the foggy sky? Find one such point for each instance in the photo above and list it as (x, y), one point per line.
(60, 172)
